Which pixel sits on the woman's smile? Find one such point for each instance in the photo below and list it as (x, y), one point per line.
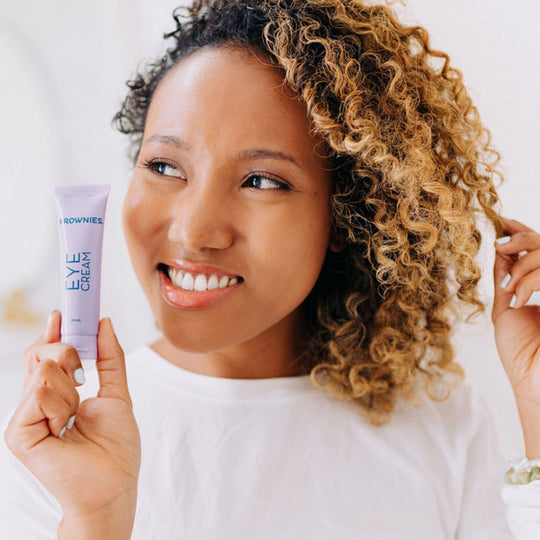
(197, 288)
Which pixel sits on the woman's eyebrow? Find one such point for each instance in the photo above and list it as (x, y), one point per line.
(168, 139)
(250, 154)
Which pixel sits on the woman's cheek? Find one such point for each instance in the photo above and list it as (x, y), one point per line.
(139, 212)
(297, 253)
(139, 221)
(129, 210)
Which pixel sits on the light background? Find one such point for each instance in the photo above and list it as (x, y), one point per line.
(63, 66)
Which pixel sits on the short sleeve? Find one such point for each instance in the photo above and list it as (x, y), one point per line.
(523, 509)
(27, 510)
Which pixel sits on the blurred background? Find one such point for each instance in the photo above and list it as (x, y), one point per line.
(63, 66)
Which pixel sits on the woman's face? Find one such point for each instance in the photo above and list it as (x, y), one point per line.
(228, 184)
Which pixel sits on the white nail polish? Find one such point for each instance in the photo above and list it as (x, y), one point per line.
(505, 280)
(63, 430)
(503, 240)
(513, 301)
(71, 421)
(78, 375)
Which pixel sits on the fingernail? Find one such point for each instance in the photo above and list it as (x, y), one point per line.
(50, 317)
(71, 421)
(503, 240)
(513, 301)
(79, 377)
(505, 280)
(61, 434)
(110, 322)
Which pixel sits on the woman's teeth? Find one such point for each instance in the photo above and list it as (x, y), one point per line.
(199, 282)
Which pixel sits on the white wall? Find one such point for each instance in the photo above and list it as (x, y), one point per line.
(63, 65)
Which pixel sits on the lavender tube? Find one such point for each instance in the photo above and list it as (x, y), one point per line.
(81, 217)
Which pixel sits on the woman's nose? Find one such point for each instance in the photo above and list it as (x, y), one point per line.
(200, 219)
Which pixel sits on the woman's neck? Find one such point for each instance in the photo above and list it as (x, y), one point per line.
(271, 354)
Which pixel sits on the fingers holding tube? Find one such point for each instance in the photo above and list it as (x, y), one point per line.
(46, 407)
(64, 354)
(51, 332)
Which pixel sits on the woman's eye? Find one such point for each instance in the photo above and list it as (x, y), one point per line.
(259, 181)
(162, 168)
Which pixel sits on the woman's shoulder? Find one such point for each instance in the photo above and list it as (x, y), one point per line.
(421, 424)
(456, 421)
(456, 406)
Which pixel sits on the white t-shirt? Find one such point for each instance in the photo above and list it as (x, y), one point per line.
(269, 459)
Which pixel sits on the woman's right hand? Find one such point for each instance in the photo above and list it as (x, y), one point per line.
(91, 468)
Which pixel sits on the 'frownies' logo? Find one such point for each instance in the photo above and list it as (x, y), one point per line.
(71, 220)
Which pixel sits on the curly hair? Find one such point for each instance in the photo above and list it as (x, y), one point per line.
(413, 169)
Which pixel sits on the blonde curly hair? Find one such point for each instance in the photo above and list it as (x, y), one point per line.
(413, 168)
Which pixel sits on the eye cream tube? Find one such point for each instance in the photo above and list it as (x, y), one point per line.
(81, 217)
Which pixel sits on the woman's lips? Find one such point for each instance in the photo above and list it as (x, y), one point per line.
(197, 268)
(182, 299)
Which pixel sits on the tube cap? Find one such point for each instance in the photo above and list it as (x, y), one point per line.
(86, 345)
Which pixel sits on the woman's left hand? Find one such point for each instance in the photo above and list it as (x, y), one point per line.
(517, 326)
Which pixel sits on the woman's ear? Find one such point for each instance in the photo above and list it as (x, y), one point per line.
(337, 242)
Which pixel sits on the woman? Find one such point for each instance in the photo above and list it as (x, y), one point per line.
(301, 218)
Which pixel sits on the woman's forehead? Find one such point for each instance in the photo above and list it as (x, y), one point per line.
(224, 92)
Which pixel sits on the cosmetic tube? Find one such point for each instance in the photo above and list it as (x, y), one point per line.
(81, 218)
